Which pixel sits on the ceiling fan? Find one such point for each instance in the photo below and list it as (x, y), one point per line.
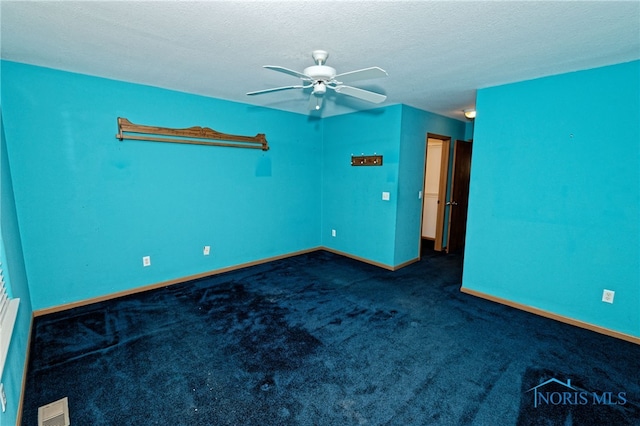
(320, 77)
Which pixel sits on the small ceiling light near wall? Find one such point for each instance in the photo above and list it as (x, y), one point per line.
(469, 113)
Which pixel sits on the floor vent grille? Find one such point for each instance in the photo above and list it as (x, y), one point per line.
(54, 414)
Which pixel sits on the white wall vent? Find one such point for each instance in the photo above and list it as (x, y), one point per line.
(8, 313)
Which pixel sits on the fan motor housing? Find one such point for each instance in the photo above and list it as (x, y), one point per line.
(320, 72)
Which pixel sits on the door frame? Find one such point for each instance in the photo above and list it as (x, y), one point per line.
(442, 188)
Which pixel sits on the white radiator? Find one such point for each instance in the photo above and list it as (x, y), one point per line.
(8, 313)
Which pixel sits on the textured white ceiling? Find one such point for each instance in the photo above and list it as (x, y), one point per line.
(437, 53)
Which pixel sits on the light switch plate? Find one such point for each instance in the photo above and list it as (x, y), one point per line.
(386, 196)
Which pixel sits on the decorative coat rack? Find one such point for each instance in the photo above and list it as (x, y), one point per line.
(195, 135)
(366, 160)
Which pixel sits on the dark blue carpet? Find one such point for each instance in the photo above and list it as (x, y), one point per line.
(319, 339)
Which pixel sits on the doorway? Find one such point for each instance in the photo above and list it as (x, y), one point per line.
(434, 191)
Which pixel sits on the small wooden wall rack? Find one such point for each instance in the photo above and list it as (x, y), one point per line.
(196, 135)
(366, 160)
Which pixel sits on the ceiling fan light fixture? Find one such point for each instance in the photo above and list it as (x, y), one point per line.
(322, 77)
(319, 88)
(469, 113)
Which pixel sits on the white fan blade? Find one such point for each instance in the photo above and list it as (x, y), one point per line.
(276, 89)
(288, 71)
(315, 102)
(363, 74)
(365, 95)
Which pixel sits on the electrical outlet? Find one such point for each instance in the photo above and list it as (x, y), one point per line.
(146, 261)
(206, 250)
(607, 295)
(3, 398)
(333, 232)
(386, 196)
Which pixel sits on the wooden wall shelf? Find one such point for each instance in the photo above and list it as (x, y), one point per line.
(194, 135)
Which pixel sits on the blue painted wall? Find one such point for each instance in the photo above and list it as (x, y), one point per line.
(413, 144)
(352, 196)
(554, 208)
(386, 232)
(90, 206)
(16, 280)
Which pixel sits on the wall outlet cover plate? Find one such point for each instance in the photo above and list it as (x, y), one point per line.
(608, 295)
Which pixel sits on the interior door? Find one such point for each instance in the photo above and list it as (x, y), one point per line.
(459, 200)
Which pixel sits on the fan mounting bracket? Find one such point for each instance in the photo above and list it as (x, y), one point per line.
(320, 56)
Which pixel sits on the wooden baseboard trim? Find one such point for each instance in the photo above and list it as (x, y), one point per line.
(371, 262)
(358, 258)
(24, 375)
(551, 315)
(407, 263)
(66, 306)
